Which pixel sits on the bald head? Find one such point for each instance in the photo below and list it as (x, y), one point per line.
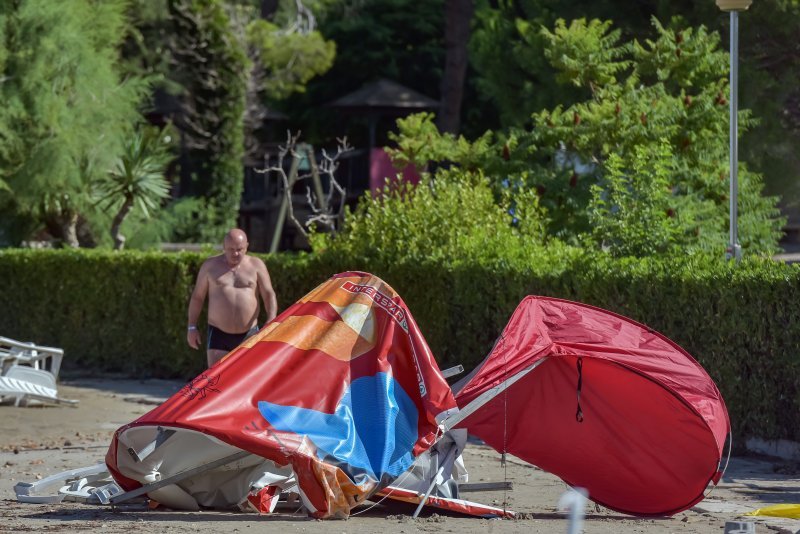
(234, 246)
(235, 236)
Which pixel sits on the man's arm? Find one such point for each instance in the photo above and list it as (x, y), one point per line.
(196, 306)
(266, 291)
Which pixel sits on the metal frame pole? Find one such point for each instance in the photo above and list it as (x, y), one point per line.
(734, 250)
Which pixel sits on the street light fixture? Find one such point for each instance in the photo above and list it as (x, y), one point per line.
(734, 250)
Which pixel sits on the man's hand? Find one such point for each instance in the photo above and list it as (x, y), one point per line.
(196, 305)
(266, 290)
(193, 338)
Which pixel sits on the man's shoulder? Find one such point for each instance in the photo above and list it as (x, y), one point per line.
(212, 262)
(256, 262)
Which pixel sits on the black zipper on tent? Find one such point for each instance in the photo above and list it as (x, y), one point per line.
(579, 412)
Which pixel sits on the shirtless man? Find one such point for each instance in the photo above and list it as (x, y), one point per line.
(233, 281)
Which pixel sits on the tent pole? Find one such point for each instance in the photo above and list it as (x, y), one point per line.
(452, 421)
(428, 493)
(436, 479)
(123, 497)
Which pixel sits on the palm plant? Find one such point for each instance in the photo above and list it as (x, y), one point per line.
(136, 180)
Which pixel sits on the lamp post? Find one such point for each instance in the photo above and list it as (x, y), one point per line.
(734, 250)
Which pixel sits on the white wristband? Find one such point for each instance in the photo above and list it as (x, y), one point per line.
(191, 327)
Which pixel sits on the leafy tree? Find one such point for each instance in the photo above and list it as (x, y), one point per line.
(65, 112)
(671, 89)
(286, 55)
(289, 59)
(211, 65)
(227, 65)
(136, 180)
(632, 213)
(419, 143)
(507, 51)
(145, 49)
(401, 40)
(770, 68)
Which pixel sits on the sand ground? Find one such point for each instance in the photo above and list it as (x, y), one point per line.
(37, 441)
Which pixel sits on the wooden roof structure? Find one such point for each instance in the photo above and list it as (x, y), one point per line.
(384, 97)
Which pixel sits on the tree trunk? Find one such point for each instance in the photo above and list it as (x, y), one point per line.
(119, 239)
(458, 16)
(70, 226)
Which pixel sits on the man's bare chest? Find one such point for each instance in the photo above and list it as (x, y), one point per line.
(233, 278)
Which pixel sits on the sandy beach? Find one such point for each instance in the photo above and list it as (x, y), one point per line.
(38, 441)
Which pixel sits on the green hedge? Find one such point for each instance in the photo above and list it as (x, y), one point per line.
(126, 312)
(118, 312)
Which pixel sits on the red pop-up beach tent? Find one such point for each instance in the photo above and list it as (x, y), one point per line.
(601, 401)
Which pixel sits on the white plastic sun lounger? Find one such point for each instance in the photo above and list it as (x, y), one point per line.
(22, 383)
(34, 492)
(14, 352)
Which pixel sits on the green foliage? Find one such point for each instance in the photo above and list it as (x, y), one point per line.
(637, 95)
(175, 222)
(225, 65)
(401, 40)
(116, 311)
(452, 218)
(290, 59)
(136, 179)
(65, 111)
(770, 66)
(398, 39)
(631, 212)
(138, 175)
(585, 54)
(214, 99)
(506, 50)
(126, 311)
(452, 215)
(508, 53)
(674, 90)
(145, 50)
(419, 142)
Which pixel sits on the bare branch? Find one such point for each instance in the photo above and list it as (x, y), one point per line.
(326, 213)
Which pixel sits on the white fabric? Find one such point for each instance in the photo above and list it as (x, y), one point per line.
(223, 487)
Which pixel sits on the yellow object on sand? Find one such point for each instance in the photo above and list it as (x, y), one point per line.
(779, 510)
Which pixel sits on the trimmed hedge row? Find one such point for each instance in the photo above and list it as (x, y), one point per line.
(126, 312)
(118, 312)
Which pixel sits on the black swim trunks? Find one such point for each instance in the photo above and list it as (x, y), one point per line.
(221, 340)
